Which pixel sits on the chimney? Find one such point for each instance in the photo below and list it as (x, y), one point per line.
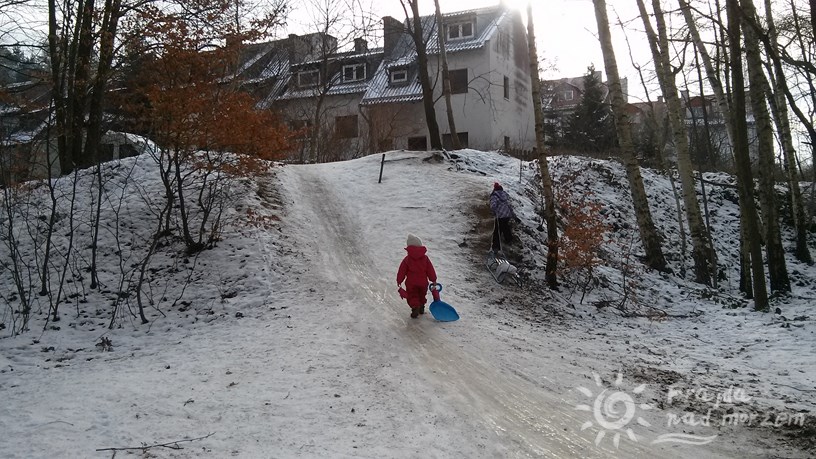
(234, 41)
(360, 45)
(392, 29)
(296, 49)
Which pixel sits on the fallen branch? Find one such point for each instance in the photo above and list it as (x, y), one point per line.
(170, 444)
(795, 388)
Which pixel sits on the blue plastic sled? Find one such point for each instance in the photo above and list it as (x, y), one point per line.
(442, 311)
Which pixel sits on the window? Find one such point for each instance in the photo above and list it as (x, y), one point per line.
(385, 144)
(447, 144)
(399, 75)
(300, 128)
(568, 94)
(506, 88)
(418, 143)
(346, 126)
(354, 72)
(458, 81)
(459, 30)
(308, 78)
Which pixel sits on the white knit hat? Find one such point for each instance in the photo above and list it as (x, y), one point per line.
(413, 240)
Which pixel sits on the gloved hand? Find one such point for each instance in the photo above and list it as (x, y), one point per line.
(402, 293)
(435, 291)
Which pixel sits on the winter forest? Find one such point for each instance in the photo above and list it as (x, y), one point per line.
(204, 208)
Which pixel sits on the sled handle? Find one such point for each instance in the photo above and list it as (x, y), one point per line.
(437, 287)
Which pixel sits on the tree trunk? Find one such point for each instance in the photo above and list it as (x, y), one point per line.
(424, 77)
(81, 84)
(813, 15)
(711, 73)
(710, 155)
(777, 271)
(110, 23)
(746, 286)
(742, 159)
(446, 89)
(779, 108)
(648, 232)
(56, 53)
(544, 169)
(704, 263)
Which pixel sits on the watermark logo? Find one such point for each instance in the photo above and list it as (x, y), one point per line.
(613, 409)
(615, 412)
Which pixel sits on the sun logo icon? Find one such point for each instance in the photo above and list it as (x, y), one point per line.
(613, 410)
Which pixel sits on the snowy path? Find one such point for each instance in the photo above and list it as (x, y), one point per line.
(299, 346)
(430, 378)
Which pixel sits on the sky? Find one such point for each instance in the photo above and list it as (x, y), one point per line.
(291, 341)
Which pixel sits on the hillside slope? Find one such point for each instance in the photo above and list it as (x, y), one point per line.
(290, 340)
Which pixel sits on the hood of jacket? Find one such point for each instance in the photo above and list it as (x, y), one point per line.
(416, 251)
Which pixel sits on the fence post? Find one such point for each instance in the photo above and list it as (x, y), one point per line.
(382, 163)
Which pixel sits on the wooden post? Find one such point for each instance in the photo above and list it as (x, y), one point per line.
(382, 163)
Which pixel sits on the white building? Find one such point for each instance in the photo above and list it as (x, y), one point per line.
(370, 100)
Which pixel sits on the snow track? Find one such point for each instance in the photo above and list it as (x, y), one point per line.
(432, 376)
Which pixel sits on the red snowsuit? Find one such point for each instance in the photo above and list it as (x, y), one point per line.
(416, 270)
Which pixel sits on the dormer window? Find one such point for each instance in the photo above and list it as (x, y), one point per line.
(569, 95)
(459, 30)
(354, 72)
(308, 78)
(399, 75)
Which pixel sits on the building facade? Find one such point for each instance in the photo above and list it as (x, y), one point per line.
(346, 104)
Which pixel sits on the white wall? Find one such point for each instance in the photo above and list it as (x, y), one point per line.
(483, 112)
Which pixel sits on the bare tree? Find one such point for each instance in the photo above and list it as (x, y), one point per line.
(777, 92)
(743, 161)
(705, 263)
(420, 43)
(543, 165)
(446, 87)
(648, 232)
(777, 270)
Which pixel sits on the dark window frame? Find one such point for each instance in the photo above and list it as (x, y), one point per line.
(458, 81)
(459, 30)
(418, 143)
(309, 74)
(354, 70)
(463, 140)
(302, 128)
(398, 71)
(346, 126)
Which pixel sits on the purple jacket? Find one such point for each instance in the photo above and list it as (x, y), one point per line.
(500, 204)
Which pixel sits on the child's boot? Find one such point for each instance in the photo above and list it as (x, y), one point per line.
(414, 313)
(422, 309)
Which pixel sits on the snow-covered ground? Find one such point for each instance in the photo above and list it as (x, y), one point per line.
(291, 341)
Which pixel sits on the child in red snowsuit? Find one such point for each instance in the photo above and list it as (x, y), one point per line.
(416, 270)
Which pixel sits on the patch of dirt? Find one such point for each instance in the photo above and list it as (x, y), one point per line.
(726, 409)
(652, 376)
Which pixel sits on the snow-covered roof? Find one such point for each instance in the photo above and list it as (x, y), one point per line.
(381, 90)
(377, 87)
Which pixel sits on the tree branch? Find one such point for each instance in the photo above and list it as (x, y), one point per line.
(170, 444)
